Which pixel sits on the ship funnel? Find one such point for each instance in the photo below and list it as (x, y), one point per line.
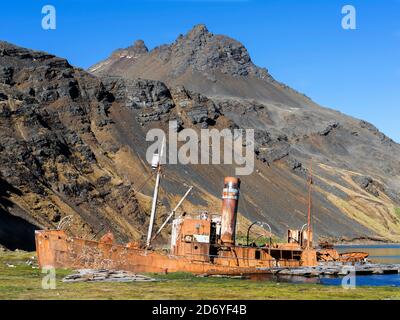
(230, 200)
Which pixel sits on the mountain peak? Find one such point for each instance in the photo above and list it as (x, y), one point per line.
(197, 31)
(199, 51)
(139, 47)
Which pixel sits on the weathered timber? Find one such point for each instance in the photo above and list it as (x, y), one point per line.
(105, 275)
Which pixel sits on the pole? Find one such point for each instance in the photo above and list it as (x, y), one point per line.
(172, 212)
(309, 208)
(155, 195)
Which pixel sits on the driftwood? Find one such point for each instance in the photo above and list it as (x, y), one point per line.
(105, 275)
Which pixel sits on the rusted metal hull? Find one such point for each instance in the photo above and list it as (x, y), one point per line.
(55, 248)
(327, 255)
(353, 256)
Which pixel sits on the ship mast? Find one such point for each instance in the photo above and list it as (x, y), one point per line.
(310, 182)
(156, 164)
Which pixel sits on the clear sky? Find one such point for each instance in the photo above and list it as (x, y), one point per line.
(301, 43)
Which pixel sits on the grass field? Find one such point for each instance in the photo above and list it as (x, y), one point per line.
(18, 280)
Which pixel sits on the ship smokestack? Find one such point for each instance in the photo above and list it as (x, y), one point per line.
(230, 200)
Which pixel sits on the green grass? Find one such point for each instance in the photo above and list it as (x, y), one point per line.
(23, 282)
(397, 211)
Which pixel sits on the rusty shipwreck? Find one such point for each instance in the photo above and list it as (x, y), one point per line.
(200, 244)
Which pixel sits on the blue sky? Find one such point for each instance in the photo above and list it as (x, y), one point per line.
(301, 43)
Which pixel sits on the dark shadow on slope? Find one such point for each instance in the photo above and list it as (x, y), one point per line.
(15, 232)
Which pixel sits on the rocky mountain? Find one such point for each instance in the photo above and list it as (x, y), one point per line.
(357, 167)
(72, 143)
(205, 63)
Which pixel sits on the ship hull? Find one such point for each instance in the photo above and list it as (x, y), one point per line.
(54, 248)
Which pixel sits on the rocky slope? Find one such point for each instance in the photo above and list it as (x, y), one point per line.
(357, 165)
(52, 163)
(73, 144)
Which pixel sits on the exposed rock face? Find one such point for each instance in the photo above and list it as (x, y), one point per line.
(195, 108)
(376, 188)
(204, 52)
(48, 166)
(151, 98)
(72, 143)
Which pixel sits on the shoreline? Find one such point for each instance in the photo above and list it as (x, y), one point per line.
(360, 241)
(365, 244)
